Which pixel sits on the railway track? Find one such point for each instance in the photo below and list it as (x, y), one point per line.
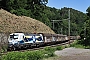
(41, 47)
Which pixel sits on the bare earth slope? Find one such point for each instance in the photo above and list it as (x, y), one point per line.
(12, 23)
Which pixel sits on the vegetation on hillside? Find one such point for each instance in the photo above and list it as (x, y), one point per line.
(85, 33)
(37, 9)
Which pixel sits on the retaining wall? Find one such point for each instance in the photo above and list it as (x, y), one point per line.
(3, 41)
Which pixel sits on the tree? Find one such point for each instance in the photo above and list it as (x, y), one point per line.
(85, 33)
(88, 11)
(88, 23)
(37, 9)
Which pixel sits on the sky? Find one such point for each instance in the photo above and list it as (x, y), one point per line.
(80, 5)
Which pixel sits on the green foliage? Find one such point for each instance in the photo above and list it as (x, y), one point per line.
(37, 9)
(49, 52)
(80, 44)
(88, 10)
(21, 12)
(85, 33)
(60, 47)
(77, 44)
(29, 55)
(50, 49)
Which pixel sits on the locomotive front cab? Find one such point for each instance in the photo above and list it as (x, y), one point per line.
(16, 40)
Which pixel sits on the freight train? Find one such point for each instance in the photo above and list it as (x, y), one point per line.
(21, 40)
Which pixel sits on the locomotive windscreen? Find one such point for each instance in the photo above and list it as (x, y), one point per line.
(13, 36)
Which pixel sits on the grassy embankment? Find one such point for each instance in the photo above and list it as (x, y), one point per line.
(32, 55)
(46, 53)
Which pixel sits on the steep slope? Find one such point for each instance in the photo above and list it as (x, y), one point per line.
(12, 23)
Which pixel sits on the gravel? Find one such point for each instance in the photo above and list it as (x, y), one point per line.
(73, 54)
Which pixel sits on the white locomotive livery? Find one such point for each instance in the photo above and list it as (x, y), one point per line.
(21, 40)
(16, 40)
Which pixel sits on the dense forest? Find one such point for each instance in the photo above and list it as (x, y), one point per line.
(37, 9)
(85, 33)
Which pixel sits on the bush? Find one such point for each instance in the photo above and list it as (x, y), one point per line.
(30, 55)
(49, 49)
(37, 55)
(60, 47)
(49, 52)
(67, 46)
(77, 44)
(87, 47)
